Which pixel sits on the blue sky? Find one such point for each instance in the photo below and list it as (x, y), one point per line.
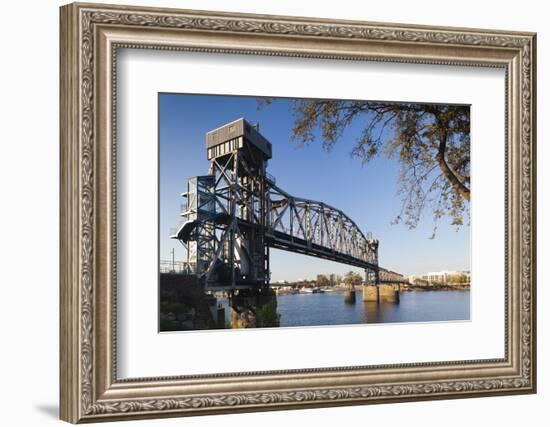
(366, 193)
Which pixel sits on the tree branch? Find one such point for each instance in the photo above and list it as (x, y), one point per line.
(447, 171)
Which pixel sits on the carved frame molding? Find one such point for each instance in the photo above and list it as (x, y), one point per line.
(90, 37)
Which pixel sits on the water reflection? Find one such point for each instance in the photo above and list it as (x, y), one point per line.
(382, 312)
(330, 309)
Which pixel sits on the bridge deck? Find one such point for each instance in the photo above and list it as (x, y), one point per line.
(279, 240)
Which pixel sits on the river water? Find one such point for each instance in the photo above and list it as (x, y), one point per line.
(329, 308)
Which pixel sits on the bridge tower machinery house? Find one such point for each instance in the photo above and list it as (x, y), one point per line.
(225, 220)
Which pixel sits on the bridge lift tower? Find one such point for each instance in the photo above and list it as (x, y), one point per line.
(225, 220)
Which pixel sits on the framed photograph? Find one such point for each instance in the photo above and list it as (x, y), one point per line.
(267, 212)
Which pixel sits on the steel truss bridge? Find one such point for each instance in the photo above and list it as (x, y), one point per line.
(236, 213)
(391, 277)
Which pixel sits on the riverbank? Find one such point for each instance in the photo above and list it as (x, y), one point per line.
(305, 290)
(438, 287)
(402, 288)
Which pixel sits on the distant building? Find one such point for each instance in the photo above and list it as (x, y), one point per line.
(441, 277)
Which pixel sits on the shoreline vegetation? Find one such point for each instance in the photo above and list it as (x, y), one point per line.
(438, 287)
(290, 289)
(435, 281)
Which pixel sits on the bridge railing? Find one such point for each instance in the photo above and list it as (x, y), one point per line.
(167, 266)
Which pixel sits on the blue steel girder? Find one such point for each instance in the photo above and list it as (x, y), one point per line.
(236, 213)
(388, 276)
(317, 229)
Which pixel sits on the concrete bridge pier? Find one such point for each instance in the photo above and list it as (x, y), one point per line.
(370, 293)
(349, 296)
(383, 292)
(389, 293)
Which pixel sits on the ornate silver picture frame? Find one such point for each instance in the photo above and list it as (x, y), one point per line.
(91, 36)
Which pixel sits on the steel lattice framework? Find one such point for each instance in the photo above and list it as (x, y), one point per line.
(237, 212)
(318, 229)
(388, 276)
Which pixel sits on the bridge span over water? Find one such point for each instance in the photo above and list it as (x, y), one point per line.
(236, 213)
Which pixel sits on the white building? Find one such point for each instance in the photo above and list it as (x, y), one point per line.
(442, 277)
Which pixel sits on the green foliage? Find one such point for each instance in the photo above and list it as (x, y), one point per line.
(353, 279)
(459, 278)
(322, 280)
(267, 316)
